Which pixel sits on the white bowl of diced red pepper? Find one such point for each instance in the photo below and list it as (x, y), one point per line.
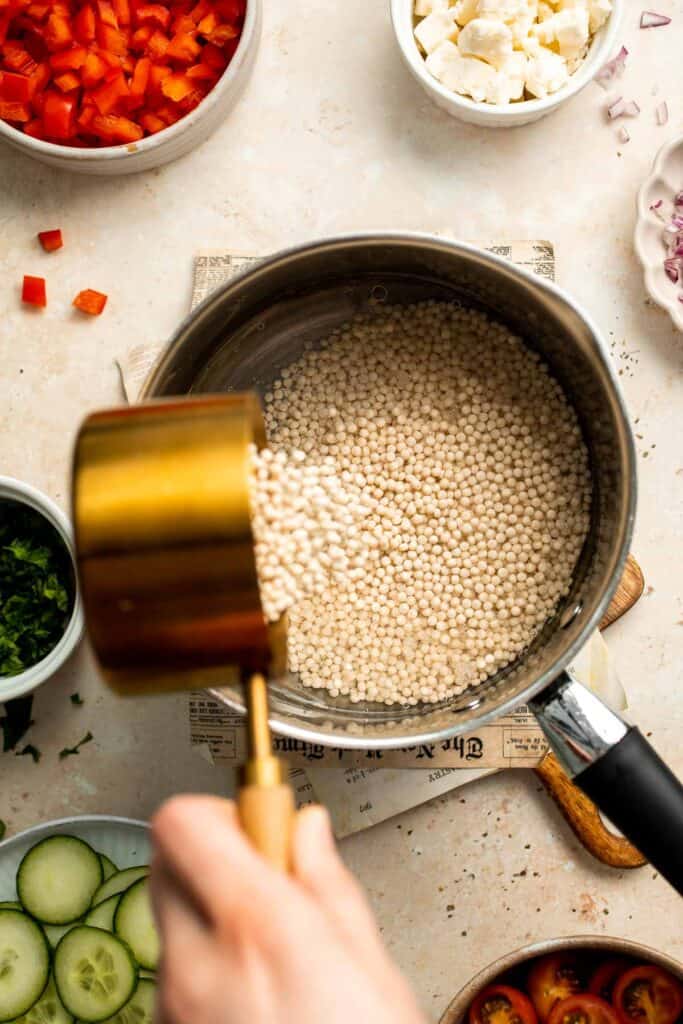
(119, 86)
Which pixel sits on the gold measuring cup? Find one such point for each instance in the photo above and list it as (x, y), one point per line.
(167, 571)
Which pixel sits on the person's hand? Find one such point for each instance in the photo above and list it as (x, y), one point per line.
(244, 944)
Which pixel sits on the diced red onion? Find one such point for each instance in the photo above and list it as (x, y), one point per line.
(656, 206)
(650, 19)
(623, 135)
(612, 69)
(678, 199)
(623, 108)
(662, 113)
(671, 269)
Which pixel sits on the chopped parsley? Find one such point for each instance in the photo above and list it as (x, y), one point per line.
(76, 698)
(68, 751)
(36, 583)
(31, 751)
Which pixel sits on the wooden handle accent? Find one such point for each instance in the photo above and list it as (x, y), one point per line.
(267, 816)
(578, 810)
(584, 818)
(630, 589)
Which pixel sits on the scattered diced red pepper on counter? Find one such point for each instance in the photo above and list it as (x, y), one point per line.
(51, 240)
(33, 291)
(91, 302)
(99, 73)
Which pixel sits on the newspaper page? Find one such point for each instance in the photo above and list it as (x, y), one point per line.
(364, 788)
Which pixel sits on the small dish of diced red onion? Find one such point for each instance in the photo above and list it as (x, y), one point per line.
(659, 230)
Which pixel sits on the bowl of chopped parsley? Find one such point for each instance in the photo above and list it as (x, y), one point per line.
(41, 620)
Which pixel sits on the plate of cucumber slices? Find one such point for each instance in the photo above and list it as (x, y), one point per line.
(78, 944)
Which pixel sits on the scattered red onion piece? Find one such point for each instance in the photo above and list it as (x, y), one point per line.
(678, 199)
(662, 112)
(612, 69)
(622, 108)
(650, 19)
(623, 135)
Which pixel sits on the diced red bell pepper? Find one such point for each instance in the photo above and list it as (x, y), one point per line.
(35, 129)
(51, 240)
(183, 24)
(224, 34)
(214, 57)
(12, 111)
(14, 87)
(86, 116)
(177, 86)
(114, 129)
(113, 40)
(90, 301)
(208, 24)
(16, 58)
(139, 82)
(38, 80)
(59, 115)
(157, 74)
(58, 34)
(183, 47)
(230, 10)
(153, 14)
(140, 38)
(107, 95)
(84, 24)
(157, 46)
(110, 59)
(191, 100)
(151, 123)
(202, 73)
(122, 12)
(69, 60)
(105, 12)
(93, 70)
(67, 82)
(200, 10)
(33, 291)
(38, 11)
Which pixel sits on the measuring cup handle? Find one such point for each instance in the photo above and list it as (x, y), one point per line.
(618, 769)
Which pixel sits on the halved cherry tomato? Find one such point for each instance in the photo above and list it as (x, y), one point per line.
(604, 977)
(33, 291)
(551, 979)
(648, 995)
(51, 240)
(582, 1008)
(502, 1004)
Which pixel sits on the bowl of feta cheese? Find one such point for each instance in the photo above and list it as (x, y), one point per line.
(503, 63)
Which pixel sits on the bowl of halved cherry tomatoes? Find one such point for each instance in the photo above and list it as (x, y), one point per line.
(118, 86)
(580, 980)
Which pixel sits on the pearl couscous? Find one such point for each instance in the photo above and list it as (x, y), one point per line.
(421, 505)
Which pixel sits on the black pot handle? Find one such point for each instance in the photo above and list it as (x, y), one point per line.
(618, 769)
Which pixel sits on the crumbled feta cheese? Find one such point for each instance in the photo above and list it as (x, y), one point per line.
(436, 28)
(424, 7)
(598, 12)
(545, 11)
(518, 15)
(546, 72)
(487, 39)
(513, 74)
(464, 11)
(465, 75)
(568, 29)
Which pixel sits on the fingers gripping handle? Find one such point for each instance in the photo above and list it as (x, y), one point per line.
(618, 769)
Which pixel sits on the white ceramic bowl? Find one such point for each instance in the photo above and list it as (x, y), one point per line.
(33, 677)
(665, 180)
(509, 115)
(186, 134)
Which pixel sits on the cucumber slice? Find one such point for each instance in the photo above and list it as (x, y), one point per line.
(95, 973)
(140, 1007)
(134, 923)
(58, 878)
(108, 866)
(24, 963)
(119, 882)
(56, 932)
(102, 916)
(48, 1009)
(10, 905)
(150, 975)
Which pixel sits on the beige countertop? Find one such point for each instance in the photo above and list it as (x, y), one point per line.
(332, 135)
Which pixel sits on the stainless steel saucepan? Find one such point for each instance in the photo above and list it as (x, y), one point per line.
(246, 332)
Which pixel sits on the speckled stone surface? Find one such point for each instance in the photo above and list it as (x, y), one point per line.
(332, 135)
